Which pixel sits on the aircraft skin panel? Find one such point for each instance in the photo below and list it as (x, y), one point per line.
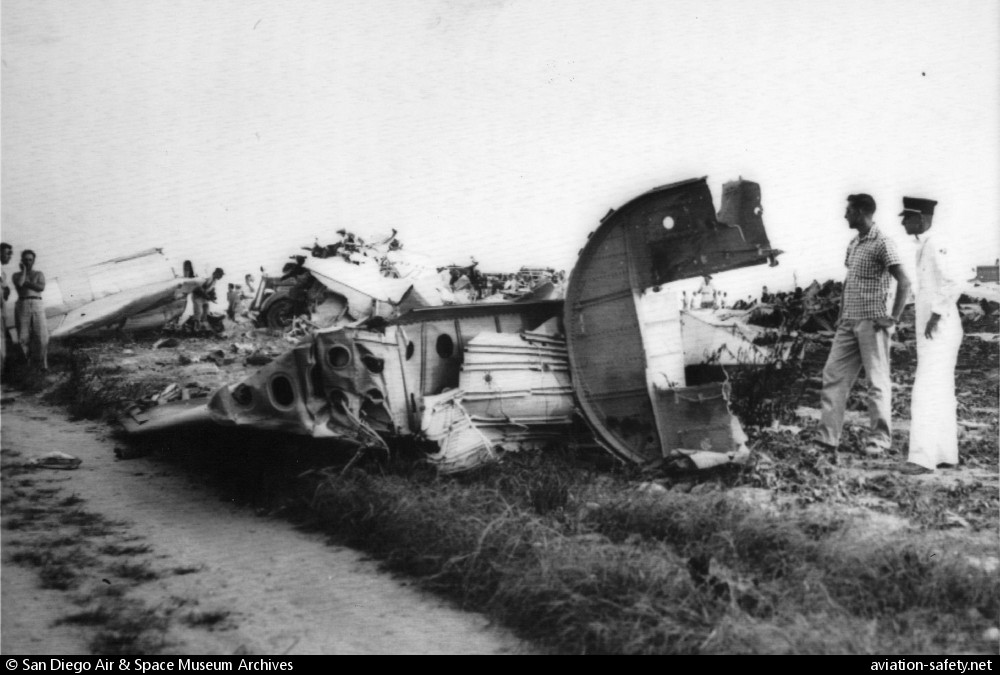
(607, 362)
(120, 306)
(663, 235)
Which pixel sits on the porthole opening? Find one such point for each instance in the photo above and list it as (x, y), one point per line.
(282, 392)
(373, 363)
(243, 395)
(445, 346)
(409, 350)
(338, 356)
(374, 395)
(668, 223)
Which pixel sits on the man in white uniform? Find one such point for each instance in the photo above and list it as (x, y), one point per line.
(933, 429)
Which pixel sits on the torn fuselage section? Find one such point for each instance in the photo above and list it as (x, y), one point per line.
(500, 367)
(624, 332)
(330, 386)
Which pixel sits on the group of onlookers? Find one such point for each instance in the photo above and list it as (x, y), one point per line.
(863, 329)
(866, 323)
(29, 312)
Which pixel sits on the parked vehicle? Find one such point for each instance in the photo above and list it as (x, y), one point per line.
(279, 299)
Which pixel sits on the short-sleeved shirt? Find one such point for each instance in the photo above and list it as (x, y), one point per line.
(866, 290)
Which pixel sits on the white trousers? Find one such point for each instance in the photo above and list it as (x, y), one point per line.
(933, 426)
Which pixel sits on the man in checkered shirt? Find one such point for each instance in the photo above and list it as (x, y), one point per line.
(863, 330)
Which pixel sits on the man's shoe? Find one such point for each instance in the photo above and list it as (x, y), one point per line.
(911, 469)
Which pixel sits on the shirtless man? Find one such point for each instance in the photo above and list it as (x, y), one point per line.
(32, 331)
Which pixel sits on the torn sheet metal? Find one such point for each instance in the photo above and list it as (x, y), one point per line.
(696, 422)
(623, 342)
(463, 445)
(175, 415)
(365, 291)
(320, 388)
(722, 338)
(113, 293)
(331, 386)
(467, 442)
(361, 387)
(514, 394)
(428, 288)
(154, 302)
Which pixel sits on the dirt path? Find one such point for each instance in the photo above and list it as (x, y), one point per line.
(138, 557)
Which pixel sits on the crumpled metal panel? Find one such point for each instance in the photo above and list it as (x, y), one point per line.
(317, 389)
(664, 235)
(696, 418)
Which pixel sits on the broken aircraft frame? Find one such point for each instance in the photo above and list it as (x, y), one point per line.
(134, 292)
(479, 377)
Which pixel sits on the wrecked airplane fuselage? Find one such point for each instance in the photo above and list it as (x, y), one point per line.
(474, 378)
(361, 387)
(624, 335)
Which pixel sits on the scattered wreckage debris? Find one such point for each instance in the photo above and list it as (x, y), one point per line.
(361, 387)
(624, 328)
(148, 408)
(54, 460)
(347, 281)
(514, 394)
(487, 378)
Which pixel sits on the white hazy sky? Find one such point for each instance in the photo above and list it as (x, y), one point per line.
(232, 132)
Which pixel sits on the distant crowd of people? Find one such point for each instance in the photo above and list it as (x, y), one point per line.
(468, 284)
(709, 297)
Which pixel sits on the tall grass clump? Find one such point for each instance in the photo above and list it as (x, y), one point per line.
(577, 593)
(593, 566)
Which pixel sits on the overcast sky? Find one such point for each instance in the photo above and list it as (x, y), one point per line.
(233, 132)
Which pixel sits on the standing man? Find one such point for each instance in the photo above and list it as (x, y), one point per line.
(706, 292)
(933, 429)
(32, 331)
(202, 296)
(6, 253)
(863, 329)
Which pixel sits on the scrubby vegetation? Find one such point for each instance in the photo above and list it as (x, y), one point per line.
(591, 564)
(582, 555)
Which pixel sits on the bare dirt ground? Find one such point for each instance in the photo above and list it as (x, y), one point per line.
(139, 556)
